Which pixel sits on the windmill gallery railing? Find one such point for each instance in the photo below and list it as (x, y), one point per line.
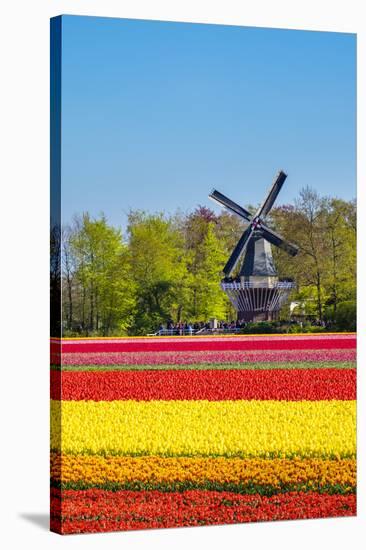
(261, 297)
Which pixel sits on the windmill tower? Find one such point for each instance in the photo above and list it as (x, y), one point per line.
(256, 292)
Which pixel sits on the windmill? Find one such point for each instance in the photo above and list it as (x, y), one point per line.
(256, 292)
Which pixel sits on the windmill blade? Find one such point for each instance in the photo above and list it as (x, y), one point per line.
(238, 251)
(230, 205)
(272, 195)
(276, 239)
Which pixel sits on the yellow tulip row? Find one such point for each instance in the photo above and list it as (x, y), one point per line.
(205, 428)
(275, 472)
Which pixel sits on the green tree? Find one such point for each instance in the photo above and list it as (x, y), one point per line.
(158, 270)
(206, 257)
(340, 260)
(324, 228)
(103, 291)
(209, 299)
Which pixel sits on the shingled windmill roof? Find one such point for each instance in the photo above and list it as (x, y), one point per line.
(258, 259)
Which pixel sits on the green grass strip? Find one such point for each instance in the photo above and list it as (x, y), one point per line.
(218, 366)
(180, 486)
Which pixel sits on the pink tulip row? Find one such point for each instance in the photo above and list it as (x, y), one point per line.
(230, 338)
(196, 357)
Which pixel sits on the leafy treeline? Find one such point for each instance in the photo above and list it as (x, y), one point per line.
(168, 267)
(325, 270)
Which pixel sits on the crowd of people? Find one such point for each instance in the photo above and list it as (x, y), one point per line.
(194, 328)
(186, 328)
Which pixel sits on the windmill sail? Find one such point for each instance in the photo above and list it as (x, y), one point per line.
(238, 251)
(276, 239)
(272, 195)
(230, 205)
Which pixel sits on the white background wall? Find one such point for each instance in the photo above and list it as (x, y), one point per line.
(24, 199)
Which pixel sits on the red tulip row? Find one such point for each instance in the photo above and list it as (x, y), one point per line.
(96, 510)
(209, 345)
(280, 384)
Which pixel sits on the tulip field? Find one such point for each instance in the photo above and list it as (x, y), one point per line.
(157, 432)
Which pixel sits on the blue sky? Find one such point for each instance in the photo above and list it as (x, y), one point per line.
(156, 114)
